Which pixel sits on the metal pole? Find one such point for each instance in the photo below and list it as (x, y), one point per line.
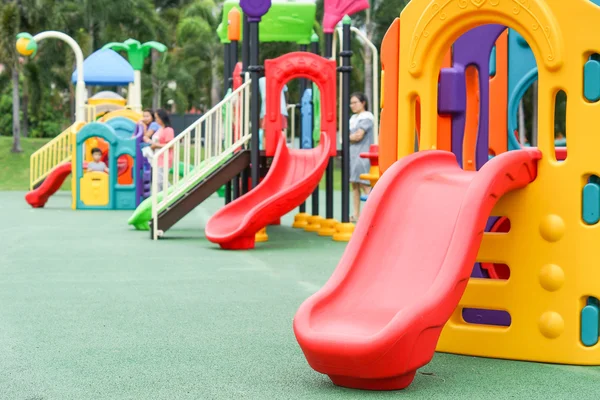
(346, 69)
(303, 47)
(245, 46)
(233, 60)
(254, 68)
(314, 48)
(329, 171)
(226, 75)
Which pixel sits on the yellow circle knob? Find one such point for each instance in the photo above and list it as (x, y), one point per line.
(22, 44)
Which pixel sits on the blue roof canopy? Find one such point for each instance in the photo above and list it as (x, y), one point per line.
(105, 68)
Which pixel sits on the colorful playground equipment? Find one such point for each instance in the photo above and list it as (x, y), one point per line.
(115, 138)
(115, 133)
(375, 323)
(222, 137)
(294, 174)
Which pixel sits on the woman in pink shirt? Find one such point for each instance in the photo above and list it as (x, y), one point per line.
(164, 135)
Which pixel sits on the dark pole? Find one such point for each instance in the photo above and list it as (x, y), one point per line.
(314, 48)
(303, 47)
(254, 68)
(245, 63)
(329, 171)
(226, 75)
(346, 69)
(245, 45)
(233, 47)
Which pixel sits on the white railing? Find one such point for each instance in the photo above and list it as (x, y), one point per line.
(205, 144)
(375, 65)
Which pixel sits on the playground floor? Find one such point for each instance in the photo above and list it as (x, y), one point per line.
(92, 310)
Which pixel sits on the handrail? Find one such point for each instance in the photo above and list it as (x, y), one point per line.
(49, 156)
(375, 62)
(216, 135)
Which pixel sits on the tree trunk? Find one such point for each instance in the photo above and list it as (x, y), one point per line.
(16, 147)
(156, 88)
(215, 85)
(25, 110)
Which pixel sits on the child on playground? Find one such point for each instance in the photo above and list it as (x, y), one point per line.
(97, 165)
(164, 135)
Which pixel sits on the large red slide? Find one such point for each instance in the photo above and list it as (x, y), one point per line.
(37, 198)
(294, 174)
(379, 317)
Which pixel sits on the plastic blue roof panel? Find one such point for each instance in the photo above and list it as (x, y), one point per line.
(105, 68)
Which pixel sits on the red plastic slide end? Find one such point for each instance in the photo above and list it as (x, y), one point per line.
(34, 201)
(393, 383)
(241, 243)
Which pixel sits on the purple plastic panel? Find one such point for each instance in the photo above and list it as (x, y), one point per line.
(474, 49)
(453, 91)
(138, 165)
(255, 9)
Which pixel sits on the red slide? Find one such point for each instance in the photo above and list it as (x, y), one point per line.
(37, 198)
(293, 176)
(379, 317)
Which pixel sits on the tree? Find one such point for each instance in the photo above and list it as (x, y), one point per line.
(9, 27)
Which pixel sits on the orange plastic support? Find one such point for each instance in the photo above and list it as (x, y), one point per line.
(388, 120)
(300, 65)
(472, 119)
(444, 125)
(499, 98)
(234, 29)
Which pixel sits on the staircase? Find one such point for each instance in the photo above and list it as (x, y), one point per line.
(208, 149)
(55, 152)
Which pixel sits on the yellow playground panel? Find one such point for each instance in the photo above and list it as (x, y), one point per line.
(551, 252)
(94, 189)
(125, 112)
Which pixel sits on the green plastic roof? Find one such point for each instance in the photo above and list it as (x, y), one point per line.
(291, 21)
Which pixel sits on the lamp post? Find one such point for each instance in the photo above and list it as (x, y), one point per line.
(27, 46)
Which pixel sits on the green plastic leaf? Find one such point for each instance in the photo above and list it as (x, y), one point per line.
(155, 45)
(115, 46)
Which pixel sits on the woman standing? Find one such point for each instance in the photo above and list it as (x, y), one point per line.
(164, 135)
(361, 138)
(150, 127)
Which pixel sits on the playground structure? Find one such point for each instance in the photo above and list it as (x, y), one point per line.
(218, 143)
(373, 328)
(129, 182)
(216, 147)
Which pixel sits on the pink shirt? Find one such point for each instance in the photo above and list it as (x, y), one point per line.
(165, 135)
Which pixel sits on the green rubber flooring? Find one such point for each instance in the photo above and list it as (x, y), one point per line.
(90, 309)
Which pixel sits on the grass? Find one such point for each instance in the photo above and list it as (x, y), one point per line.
(14, 167)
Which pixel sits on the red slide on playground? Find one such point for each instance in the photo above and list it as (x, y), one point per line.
(379, 317)
(293, 176)
(37, 198)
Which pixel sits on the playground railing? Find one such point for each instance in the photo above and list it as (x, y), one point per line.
(55, 152)
(90, 113)
(200, 149)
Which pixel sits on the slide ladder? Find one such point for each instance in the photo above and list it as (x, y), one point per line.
(53, 154)
(211, 149)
